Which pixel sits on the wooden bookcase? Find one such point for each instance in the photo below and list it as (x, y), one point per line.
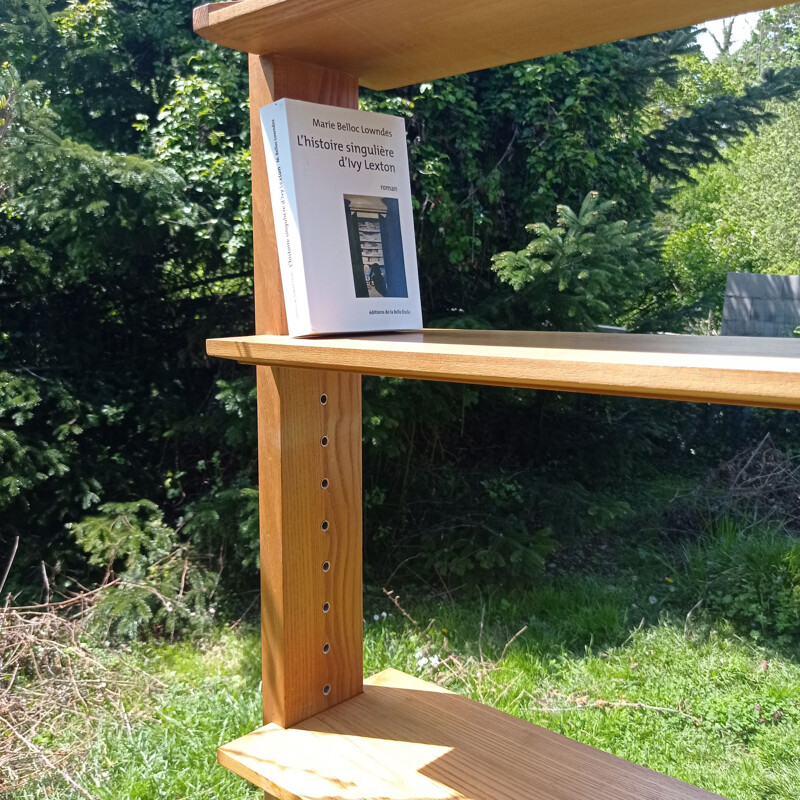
(328, 733)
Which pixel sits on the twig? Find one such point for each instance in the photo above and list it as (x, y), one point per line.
(183, 576)
(34, 749)
(10, 562)
(396, 600)
(238, 622)
(621, 704)
(513, 638)
(480, 634)
(633, 633)
(46, 584)
(219, 574)
(689, 616)
(508, 686)
(129, 664)
(125, 717)
(72, 601)
(11, 680)
(600, 704)
(482, 672)
(75, 684)
(748, 462)
(491, 172)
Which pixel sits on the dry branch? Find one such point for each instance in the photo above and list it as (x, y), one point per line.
(52, 679)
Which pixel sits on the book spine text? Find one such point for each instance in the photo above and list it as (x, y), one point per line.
(284, 210)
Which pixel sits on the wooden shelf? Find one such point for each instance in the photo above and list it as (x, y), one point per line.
(707, 369)
(387, 44)
(406, 739)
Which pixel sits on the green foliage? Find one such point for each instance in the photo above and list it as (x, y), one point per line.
(591, 659)
(133, 533)
(738, 215)
(704, 244)
(23, 464)
(699, 81)
(23, 122)
(201, 134)
(111, 275)
(100, 63)
(125, 243)
(695, 138)
(473, 543)
(491, 151)
(582, 272)
(158, 586)
(762, 197)
(749, 575)
(774, 42)
(225, 519)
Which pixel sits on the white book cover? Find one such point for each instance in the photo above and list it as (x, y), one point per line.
(341, 202)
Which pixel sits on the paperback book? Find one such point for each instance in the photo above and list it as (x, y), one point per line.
(341, 202)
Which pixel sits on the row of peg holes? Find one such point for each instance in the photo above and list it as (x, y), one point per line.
(326, 565)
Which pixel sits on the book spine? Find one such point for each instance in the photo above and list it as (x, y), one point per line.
(275, 130)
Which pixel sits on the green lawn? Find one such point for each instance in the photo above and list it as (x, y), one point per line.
(708, 706)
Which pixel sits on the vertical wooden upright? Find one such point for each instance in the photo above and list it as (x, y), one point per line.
(309, 463)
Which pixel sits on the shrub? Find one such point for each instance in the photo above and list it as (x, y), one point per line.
(750, 575)
(153, 581)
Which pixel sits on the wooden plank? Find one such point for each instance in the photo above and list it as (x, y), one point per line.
(708, 369)
(310, 511)
(389, 44)
(302, 676)
(406, 739)
(270, 80)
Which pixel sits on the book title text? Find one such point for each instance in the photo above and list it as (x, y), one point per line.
(354, 156)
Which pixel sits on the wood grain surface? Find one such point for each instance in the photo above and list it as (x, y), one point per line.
(299, 678)
(708, 369)
(389, 44)
(310, 541)
(406, 739)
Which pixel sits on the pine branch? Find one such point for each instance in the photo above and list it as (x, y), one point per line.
(698, 137)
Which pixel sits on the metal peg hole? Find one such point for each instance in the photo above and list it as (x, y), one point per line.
(326, 565)
(326, 648)
(324, 441)
(323, 398)
(325, 525)
(326, 607)
(325, 483)
(326, 689)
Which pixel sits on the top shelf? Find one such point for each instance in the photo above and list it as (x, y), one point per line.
(386, 44)
(707, 369)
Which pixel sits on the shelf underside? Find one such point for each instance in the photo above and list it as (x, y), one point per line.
(388, 44)
(707, 369)
(406, 739)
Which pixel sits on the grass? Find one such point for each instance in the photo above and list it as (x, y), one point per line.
(711, 708)
(603, 659)
(165, 746)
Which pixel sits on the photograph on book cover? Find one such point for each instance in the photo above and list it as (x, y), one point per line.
(376, 246)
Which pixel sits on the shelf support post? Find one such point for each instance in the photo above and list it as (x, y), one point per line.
(309, 464)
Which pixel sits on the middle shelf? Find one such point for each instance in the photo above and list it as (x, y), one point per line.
(707, 369)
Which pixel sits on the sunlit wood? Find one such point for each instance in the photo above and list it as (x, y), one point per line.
(708, 369)
(406, 739)
(292, 465)
(389, 44)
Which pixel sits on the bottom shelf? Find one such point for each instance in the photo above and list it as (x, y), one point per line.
(406, 739)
